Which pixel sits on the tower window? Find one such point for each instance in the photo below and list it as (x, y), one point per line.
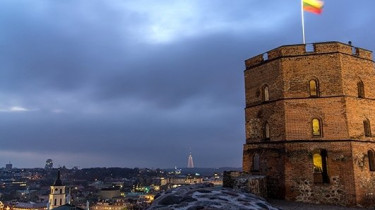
(371, 160)
(314, 88)
(256, 162)
(316, 127)
(266, 131)
(367, 128)
(60, 201)
(60, 191)
(265, 93)
(320, 166)
(55, 202)
(361, 89)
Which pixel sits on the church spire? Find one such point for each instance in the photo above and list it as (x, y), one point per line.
(58, 181)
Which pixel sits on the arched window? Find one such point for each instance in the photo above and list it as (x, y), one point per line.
(361, 89)
(371, 160)
(266, 131)
(316, 127)
(367, 128)
(265, 93)
(320, 166)
(314, 88)
(255, 162)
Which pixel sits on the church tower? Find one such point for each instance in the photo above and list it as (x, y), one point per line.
(57, 197)
(310, 112)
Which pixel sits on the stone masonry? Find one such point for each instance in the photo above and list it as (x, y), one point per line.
(309, 116)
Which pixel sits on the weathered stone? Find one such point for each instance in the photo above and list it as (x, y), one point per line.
(203, 191)
(201, 197)
(188, 199)
(170, 199)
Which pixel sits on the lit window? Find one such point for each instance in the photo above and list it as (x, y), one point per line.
(314, 88)
(367, 128)
(317, 160)
(361, 89)
(371, 160)
(316, 127)
(266, 131)
(255, 162)
(320, 167)
(266, 93)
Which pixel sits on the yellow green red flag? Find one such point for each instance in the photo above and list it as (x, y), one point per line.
(314, 6)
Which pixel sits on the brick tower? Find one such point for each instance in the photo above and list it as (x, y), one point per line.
(310, 112)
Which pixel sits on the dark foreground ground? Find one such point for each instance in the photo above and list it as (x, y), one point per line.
(290, 205)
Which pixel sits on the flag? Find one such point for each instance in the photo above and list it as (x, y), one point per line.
(313, 6)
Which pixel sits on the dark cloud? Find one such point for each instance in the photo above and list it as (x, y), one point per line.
(98, 83)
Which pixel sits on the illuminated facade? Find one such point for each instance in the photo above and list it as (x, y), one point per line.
(57, 197)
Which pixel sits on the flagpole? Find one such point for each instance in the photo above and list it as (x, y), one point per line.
(303, 23)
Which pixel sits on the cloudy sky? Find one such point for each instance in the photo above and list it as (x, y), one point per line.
(142, 83)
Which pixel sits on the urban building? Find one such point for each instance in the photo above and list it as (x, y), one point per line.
(8, 166)
(185, 180)
(57, 197)
(117, 205)
(310, 117)
(109, 193)
(70, 207)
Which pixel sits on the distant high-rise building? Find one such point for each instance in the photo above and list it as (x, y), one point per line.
(49, 164)
(190, 161)
(8, 166)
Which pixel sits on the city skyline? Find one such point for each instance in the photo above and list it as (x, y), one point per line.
(137, 84)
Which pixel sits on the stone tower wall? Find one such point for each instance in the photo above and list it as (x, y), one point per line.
(364, 179)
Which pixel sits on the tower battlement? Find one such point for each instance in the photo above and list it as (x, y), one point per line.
(308, 49)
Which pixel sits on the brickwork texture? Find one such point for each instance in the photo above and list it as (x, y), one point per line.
(328, 163)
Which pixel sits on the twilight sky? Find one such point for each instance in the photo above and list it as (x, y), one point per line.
(140, 83)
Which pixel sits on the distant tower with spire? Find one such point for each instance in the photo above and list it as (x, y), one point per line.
(57, 197)
(190, 161)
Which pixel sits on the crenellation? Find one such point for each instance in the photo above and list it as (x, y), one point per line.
(308, 49)
(254, 61)
(366, 54)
